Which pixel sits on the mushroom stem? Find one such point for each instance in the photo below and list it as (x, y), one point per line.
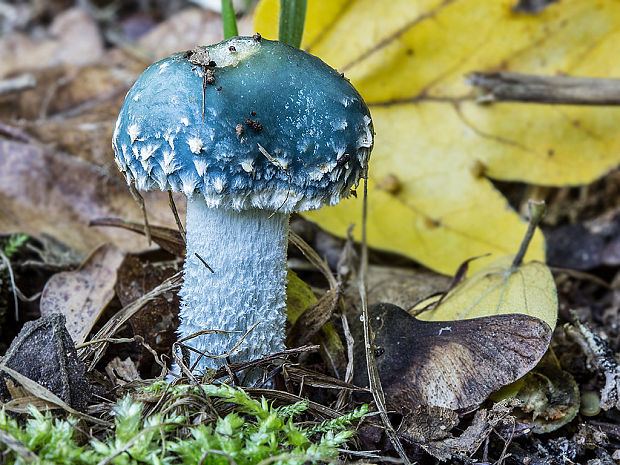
(247, 252)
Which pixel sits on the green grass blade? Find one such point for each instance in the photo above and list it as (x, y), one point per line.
(292, 17)
(229, 20)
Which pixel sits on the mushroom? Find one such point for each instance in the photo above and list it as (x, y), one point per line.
(249, 130)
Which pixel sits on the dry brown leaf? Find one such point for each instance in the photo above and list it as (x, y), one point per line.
(83, 294)
(42, 191)
(471, 439)
(158, 319)
(122, 371)
(312, 319)
(451, 364)
(168, 239)
(66, 91)
(402, 286)
(72, 38)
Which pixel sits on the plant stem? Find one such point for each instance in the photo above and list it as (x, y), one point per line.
(537, 211)
(562, 90)
(229, 21)
(292, 18)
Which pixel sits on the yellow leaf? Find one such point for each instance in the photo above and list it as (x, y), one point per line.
(434, 143)
(499, 289)
(299, 296)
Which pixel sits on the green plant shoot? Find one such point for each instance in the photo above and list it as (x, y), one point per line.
(229, 21)
(292, 18)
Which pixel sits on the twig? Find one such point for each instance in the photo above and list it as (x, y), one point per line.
(175, 212)
(348, 376)
(122, 340)
(24, 453)
(140, 200)
(204, 262)
(313, 258)
(537, 211)
(43, 393)
(564, 90)
(114, 324)
(201, 354)
(17, 84)
(7, 263)
(16, 133)
(371, 363)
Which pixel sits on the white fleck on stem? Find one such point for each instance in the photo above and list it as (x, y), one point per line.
(247, 252)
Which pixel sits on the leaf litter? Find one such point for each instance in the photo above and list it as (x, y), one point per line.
(120, 345)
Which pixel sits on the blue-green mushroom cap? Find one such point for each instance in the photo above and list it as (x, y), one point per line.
(246, 123)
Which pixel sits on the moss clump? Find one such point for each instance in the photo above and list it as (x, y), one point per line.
(251, 432)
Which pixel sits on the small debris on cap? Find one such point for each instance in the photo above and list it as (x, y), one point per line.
(257, 37)
(232, 48)
(254, 124)
(239, 130)
(210, 77)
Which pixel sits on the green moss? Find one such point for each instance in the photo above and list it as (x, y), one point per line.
(251, 432)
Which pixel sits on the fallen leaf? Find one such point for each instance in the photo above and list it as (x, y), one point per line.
(44, 191)
(483, 423)
(158, 319)
(401, 286)
(549, 396)
(300, 297)
(455, 364)
(426, 424)
(182, 31)
(433, 135)
(72, 38)
(312, 319)
(83, 294)
(168, 239)
(500, 289)
(122, 371)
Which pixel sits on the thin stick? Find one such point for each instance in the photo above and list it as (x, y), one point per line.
(204, 262)
(175, 212)
(7, 263)
(17, 84)
(369, 336)
(140, 200)
(16, 446)
(537, 211)
(41, 392)
(564, 90)
(313, 258)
